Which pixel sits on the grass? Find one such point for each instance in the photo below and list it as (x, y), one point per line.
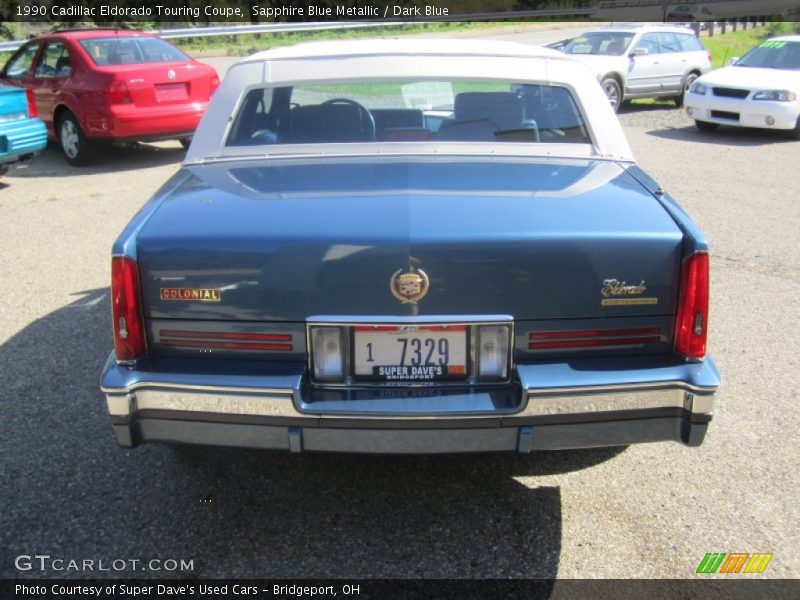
(394, 89)
(722, 47)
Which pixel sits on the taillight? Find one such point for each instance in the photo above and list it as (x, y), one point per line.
(691, 323)
(710, 58)
(214, 81)
(118, 92)
(129, 338)
(32, 110)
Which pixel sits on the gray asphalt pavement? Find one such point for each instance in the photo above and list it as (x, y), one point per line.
(645, 511)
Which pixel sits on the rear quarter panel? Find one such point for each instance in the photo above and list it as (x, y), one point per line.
(693, 238)
(20, 136)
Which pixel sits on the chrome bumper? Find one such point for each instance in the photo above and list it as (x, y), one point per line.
(654, 403)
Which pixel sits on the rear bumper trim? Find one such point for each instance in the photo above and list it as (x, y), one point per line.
(231, 411)
(275, 403)
(414, 441)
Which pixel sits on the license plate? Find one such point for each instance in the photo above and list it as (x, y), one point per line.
(410, 352)
(166, 92)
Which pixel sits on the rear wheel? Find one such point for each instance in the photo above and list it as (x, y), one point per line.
(705, 125)
(74, 144)
(3, 170)
(690, 79)
(613, 92)
(185, 142)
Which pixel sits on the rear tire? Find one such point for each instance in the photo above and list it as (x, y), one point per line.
(705, 125)
(613, 92)
(3, 170)
(73, 142)
(185, 142)
(690, 79)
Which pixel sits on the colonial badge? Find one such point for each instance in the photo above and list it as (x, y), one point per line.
(201, 294)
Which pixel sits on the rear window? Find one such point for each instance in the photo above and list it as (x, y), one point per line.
(21, 63)
(609, 43)
(131, 51)
(409, 111)
(689, 42)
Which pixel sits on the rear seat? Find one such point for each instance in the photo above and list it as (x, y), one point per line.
(478, 115)
(323, 123)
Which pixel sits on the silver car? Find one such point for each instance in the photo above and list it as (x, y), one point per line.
(642, 61)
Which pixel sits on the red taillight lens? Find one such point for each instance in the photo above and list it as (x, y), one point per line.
(214, 81)
(129, 338)
(118, 92)
(691, 324)
(32, 110)
(710, 58)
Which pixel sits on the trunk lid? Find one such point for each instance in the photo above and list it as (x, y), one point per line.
(530, 238)
(165, 83)
(13, 103)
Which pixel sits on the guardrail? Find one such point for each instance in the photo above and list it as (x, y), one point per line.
(231, 30)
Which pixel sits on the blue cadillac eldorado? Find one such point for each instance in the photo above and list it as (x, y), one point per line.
(22, 134)
(400, 247)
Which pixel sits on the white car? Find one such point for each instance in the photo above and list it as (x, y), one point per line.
(760, 89)
(642, 61)
(690, 13)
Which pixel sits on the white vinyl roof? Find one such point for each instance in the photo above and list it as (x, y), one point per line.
(403, 46)
(410, 59)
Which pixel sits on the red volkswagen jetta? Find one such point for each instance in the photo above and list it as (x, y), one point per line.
(96, 85)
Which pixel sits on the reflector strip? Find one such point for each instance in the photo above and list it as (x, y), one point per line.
(594, 343)
(227, 335)
(554, 335)
(213, 339)
(226, 345)
(593, 338)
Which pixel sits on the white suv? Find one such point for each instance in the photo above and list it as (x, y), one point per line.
(642, 61)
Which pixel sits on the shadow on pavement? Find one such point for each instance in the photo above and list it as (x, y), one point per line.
(70, 492)
(723, 136)
(629, 107)
(107, 159)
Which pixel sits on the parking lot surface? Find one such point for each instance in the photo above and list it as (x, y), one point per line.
(643, 511)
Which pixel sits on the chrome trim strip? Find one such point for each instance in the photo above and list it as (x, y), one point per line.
(188, 386)
(204, 402)
(248, 401)
(598, 403)
(620, 400)
(350, 320)
(702, 404)
(120, 406)
(622, 387)
(483, 150)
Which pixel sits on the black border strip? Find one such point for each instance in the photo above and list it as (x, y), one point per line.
(242, 11)
(713, 586)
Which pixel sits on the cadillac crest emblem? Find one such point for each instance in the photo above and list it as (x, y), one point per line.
(409, 287)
